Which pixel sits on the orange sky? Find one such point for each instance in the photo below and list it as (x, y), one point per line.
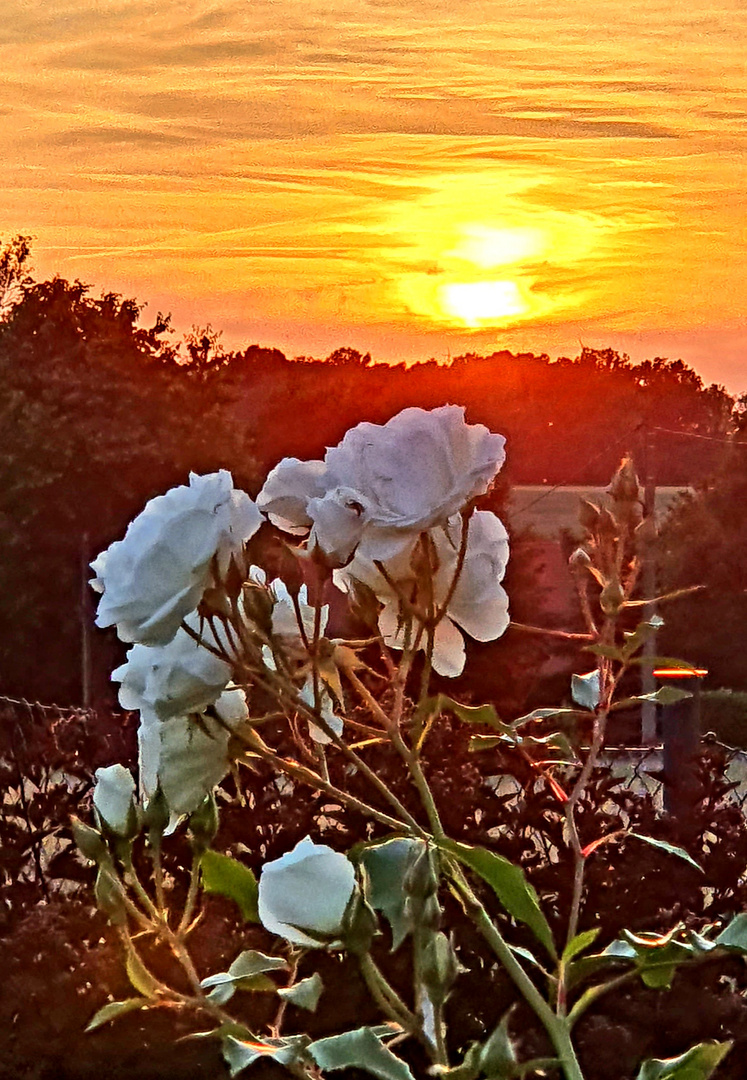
(411, 177)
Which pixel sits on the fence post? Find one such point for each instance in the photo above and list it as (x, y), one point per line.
(680, 730)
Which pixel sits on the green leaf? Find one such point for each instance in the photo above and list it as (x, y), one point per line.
(581, 942)
(665, 695)
(672, 849)
(486, 742)
(663, 661)
(549, 714)
(114, 1010)
(138, 974)
(226, 876)
(658, 957)
(473, 714)
(638, 637)
(582, 968)
(359, 1049)
(247, 972)
(240, 1053)
(508, 881)
(697, 1063)
(527, 955)
(586, 689)
(305, 994)
(110, 896)
(386, 865)
(497, 1054)
(734, 936)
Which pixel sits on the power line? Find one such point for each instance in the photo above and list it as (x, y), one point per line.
(590, 461)
(697, 435)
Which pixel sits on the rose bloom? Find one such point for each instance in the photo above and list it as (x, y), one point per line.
(175, 679)
(188, 756)
(158, 573)
(114, 798)
(384, 484)
(478, 604)
(304, 894)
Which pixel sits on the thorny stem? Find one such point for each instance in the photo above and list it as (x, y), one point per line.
(192, 892)
(277, 1023)
(395, 735)
(307, 776)
(386, 997)
(556, 1026)
(158, 879)
(566, 635)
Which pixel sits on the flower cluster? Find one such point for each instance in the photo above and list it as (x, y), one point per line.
(389, 508)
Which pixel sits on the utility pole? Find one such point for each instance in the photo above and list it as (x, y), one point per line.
(85, 629)
(648, 582)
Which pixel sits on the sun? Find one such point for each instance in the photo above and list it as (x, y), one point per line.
(482, 303)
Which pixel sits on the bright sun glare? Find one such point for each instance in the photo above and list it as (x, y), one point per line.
(486, 247)
(482, 302)
(465, 291)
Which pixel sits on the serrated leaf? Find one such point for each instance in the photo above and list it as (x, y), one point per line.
(486, 742)
(114, 1010)
(138, 974)
(665, 695)
(509, 883)
(226, 876)
(663, 661)
(386, 865)
(586, 690)
(305, 994)
(671, 849)
(548, 714)
(734, 936)
(251, 962)
(579, 943)
(697, 1063)
(473, 714)
(362, 1050)
(247, 972)
(240, 1053)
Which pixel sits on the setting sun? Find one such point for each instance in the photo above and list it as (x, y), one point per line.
(482, 302)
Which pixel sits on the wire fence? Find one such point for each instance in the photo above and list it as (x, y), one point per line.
(48, 755)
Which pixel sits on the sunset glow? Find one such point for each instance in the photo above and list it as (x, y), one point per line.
(412, 179)
(483, 302)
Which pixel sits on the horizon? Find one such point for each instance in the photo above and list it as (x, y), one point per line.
(401, 178)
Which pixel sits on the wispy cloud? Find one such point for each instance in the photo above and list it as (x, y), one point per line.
(313, 164)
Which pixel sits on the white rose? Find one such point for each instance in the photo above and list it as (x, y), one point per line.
(158, 573)
(303, 895)
(478, 605)
(175, 679)
(285, 622)
(285, 626)
(114, 798)
(333, 721)
(384, 484)
(188, 757)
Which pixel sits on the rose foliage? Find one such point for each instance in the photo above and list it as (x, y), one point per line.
(232, 668)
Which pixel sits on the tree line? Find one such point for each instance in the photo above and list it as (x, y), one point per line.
(100, 411)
